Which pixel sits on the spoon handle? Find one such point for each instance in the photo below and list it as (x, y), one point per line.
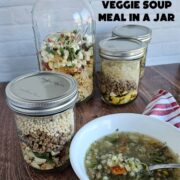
(163, 166)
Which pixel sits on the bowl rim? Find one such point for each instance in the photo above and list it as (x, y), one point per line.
(96, 120)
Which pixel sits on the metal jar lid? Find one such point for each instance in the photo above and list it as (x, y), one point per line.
(117, 48)
(139, 32)
(42, 93)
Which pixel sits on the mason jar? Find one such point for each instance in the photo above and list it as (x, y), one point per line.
(120, 69)
(43, 104)
(139, 32)
(64, 33)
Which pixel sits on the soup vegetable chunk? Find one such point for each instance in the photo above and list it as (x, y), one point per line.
(126, 156)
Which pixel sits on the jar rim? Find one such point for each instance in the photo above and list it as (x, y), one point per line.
(41, 93)
(121, 47)
(139, 32)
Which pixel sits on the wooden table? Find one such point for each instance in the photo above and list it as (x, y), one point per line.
(12, 166)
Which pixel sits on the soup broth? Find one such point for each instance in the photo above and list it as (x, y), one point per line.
(124, 156)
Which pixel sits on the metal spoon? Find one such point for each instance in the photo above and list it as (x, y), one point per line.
(163, 166)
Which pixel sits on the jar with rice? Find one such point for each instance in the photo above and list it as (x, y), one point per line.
(120, 69)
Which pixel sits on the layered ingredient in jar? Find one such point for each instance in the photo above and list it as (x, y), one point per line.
(45, 140)
(72, 54)
(119, 81)
(143, 64)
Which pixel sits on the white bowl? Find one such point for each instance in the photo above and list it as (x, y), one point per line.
(123, 122)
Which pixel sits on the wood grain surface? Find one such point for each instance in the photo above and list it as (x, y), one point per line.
(12, 166)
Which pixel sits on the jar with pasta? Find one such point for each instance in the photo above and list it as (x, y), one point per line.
(139, 32)
(43, 105)
(65, 40)
(120, 69)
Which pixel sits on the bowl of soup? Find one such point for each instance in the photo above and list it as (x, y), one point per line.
(122, 146)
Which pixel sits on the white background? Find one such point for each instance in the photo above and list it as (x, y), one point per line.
(17, 49)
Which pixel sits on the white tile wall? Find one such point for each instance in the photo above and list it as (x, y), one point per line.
(17, 50)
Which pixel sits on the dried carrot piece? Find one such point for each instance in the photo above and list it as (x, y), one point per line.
(117, 170)
(45, 66)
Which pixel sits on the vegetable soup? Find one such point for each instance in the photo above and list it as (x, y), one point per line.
(124, 156)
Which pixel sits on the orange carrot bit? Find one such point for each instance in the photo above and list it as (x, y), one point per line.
(117, 170)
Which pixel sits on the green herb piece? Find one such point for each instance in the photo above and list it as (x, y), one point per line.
(93, 164)
(112, 139)
(49, 50)
(50, 161)
(62, 51)
(42, 155)
(66, 38)
(72, 55)
(158, 160)
(77, 51)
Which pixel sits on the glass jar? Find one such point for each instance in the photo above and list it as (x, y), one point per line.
(44, 113)
(64, 32)
(120, 69)
(139, 32)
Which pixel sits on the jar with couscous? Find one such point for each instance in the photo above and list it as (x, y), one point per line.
(120, 69)
(44, 117)
(65, 42)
